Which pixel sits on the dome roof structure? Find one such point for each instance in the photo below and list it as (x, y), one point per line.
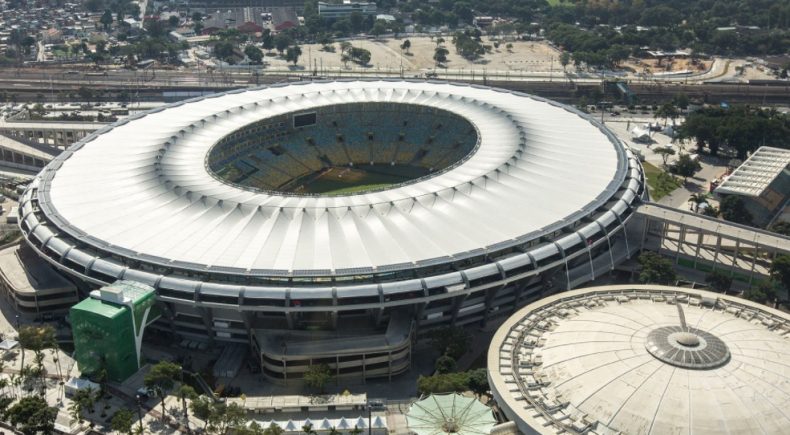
(644, 360)
(143, 189)
(440, 414)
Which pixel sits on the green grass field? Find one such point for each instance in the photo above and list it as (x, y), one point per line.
(659, 182)
(560, 2)
(355, 189)
(344, 181)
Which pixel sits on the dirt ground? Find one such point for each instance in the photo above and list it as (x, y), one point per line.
(386, 55)
(652, 66)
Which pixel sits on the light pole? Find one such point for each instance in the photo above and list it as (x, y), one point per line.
(370, 419)
(139, 412)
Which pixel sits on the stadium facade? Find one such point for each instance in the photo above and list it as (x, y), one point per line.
(227, 206)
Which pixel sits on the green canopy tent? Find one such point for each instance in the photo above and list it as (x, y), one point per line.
(450, 413)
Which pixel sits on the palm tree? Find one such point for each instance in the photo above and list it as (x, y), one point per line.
(355, 431)
(186, 392)
(273, 429)
(308, 429)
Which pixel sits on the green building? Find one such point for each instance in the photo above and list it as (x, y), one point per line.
(108, 328)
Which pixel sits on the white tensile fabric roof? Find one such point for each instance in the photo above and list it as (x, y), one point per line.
(450, 413)
(143, 187)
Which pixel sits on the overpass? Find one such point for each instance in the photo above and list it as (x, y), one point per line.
(706, 244)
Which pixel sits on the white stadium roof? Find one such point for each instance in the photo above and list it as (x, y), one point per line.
(607, 360)
(141, 189)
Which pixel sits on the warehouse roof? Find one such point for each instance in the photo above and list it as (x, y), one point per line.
(756, 173)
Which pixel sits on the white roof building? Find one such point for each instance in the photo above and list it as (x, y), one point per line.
(643, 360)
(756, 173)
(142, 188)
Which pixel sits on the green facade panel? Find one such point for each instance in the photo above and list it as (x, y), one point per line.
(108, 328)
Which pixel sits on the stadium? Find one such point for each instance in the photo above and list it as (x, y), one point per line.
(334, 222)
(642, 359)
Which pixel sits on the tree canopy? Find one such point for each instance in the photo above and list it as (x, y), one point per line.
(32, 415)
(655, 269)
(317, 376)
(742, 128)
(733, 209)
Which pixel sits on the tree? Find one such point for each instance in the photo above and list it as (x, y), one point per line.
(782, 227)
(761, 292)
(293, 53)
(32, 415)
(446, 383)
(281, 42)
(655, 269)
(445, 364)
(161, 379)
(667, 111)
(273, 429)
(122, 421)
(201, 408)
(685, 166)
(106, 19)
(173, 21)
(224, 50)
(185, 392)
(478, 381)
(254, 54)
(379, 28)
(450, 340)
(711, 211)
(405, 46)
(317, 376)
(664, 152)
(440, 55)
(83, 400)
(308, 429)
(719, 281)
(224, 417)
(733, 209)
(565, 59)
(37, 339)
(780, 270)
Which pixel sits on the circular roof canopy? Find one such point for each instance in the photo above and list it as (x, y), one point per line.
(616, 360)
(141, 188)
(440, 414)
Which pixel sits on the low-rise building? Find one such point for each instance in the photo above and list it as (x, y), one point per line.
(762, 181)
(331, 10)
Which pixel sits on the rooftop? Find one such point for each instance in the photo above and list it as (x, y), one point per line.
(756, 173)
(644, 359)
(25, 272)
(149, 196)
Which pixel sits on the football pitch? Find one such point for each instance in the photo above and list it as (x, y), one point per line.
(346, 180)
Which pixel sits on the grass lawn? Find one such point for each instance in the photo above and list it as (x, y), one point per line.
(659, 182)
(355, 189)
(559, 2)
